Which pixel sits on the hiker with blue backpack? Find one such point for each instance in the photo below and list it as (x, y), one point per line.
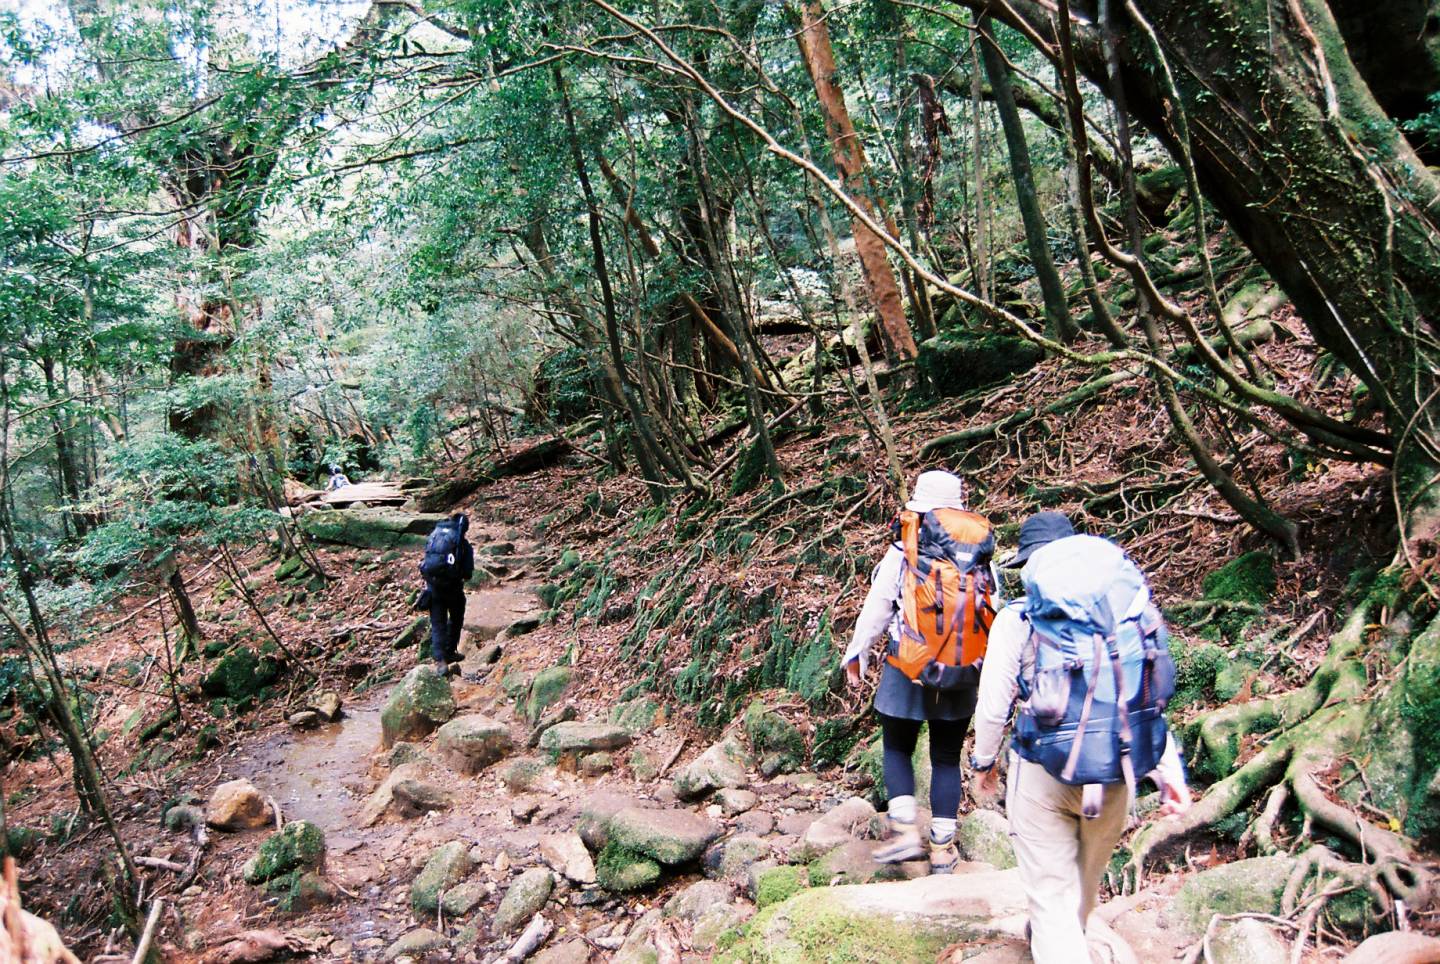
(447, 565)
(932, 598)
(1085, 653)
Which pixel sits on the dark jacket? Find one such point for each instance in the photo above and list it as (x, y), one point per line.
(464, 560)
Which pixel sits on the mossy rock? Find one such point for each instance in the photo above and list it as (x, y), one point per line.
(984, 836)
(300, 846)
(1197, 665)
(1244, 886)
(370, 528)
(623, 871)
(638, 715)
(447, 865)
(241, 674)
(774, 738)
(958, 361)
(300, 892)
(779, 884)
(417, 705)
(883, 923)
(546, 689)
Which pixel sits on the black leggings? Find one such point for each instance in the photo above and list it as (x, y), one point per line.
(447, 619)
(947, 737)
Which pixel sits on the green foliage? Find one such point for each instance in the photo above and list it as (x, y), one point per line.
(778, 884)
(1249, 578)
(1196, 667)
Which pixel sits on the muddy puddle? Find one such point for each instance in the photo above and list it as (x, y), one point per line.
(319, 775)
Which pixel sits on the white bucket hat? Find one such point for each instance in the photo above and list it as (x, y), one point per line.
(937, 490)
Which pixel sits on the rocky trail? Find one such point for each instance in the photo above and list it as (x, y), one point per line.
(515, 813)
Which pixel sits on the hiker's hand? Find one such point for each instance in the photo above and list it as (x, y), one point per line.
(1174, 800)
(985, 788)
(852, 673)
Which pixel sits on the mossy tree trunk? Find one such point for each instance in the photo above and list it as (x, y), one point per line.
(1296, 152)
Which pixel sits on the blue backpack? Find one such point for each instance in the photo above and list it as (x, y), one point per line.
(1099, 667)
(442, 553)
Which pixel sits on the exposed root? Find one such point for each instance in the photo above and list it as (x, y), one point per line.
(1262, 832)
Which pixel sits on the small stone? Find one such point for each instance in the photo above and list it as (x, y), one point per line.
(502, 862)
(714, 922)
(734, 801)
(566, 853)
(489, 654)
(595, 764)
(463, 898)
(304, 720)
(301, 892)
(837, 826)
(522, 775)
(643, 765)
(758, 822)
(181, 817)
(340, 950)
(696, 899)
(621, 872)
(237, 805)
(472, 743)
(722, 765)
(526, 897)
(416, 943)
(446, 867)
(405, 793)
(525, 808)
(327, 704)
(403, 752)
(565, 952)
(731, 858)
(582, 738)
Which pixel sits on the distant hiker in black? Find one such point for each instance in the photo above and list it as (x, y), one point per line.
(448, 563)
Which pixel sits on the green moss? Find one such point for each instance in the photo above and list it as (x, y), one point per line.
(961, 360)
(546, 689)
(623, 871)
(771, 733)
(1250, 578)
(809, 928)
(779, 884)
(301, 845)
(749, 469)
(1196, 667)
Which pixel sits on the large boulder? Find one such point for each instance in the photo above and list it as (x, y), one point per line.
(722, 765)
(671, 837)
(953, 364)
(732, 858)
(300, 846)
(696, 899)
(984, 836)
(370, 528)
(242, 674)
(579, 738)
(1254, 885)
(526, 897)
(472, 743)
(406, 792)
(237, 805)
(447, 866)
(416, 944)
(596, 812)
(910, 920)
(417, 705)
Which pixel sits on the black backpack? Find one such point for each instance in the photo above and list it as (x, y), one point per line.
(441, 564)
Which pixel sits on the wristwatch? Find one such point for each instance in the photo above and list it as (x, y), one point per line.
(976, 766)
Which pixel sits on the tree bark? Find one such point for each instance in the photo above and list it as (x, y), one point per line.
(819, 57)
(1057, 314)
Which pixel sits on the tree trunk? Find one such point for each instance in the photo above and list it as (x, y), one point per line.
(849, 154)
(1057, 315)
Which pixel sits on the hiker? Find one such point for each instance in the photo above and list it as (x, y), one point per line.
(338, 479)
(448, 563)
(1086, 627)
(932, 594)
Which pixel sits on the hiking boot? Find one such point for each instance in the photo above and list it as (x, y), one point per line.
(442, 668)
(943, 856)
(901, 845)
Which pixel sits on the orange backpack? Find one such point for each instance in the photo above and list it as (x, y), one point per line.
(945, 589)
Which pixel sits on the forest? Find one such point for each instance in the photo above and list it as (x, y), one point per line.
(675, 300)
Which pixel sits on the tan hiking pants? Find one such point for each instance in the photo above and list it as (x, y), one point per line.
(1062, 856)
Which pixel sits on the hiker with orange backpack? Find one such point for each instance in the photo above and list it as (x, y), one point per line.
(933, 595)
(1086, 654)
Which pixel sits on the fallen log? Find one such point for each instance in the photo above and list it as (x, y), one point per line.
(530, 458)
